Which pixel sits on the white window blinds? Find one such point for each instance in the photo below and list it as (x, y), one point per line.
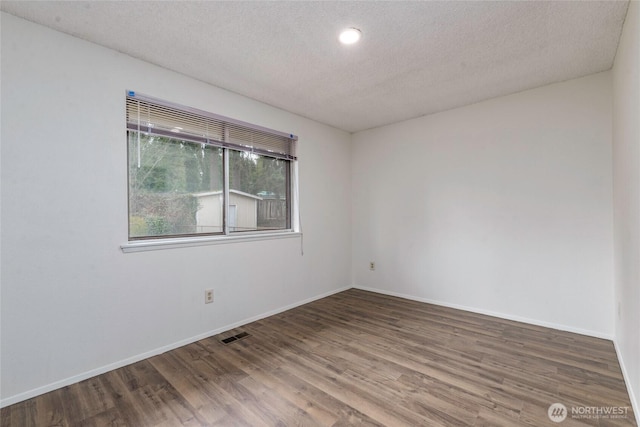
(157, 117)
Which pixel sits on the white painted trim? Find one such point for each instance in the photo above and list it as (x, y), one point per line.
(536, 322)
(92, 373)
(632, 396)
(186, 242)
(101, 370)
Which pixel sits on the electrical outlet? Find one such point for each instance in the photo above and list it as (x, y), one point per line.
(208, 296)
(372, 265)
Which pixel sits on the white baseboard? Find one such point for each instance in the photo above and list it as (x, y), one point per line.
(119, 364)
(92, 373)
(492, 313)
(632, 396)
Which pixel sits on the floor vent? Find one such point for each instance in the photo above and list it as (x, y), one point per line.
(236, 337)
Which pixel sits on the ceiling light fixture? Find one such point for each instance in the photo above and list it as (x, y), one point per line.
(350, 36)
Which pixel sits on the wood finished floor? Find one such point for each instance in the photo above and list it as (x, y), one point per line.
(354, 358)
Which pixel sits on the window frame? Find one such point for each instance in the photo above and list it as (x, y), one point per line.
(286, 153)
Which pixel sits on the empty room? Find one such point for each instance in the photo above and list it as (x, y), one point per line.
(333, 213)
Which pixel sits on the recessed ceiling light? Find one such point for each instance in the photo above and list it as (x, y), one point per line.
(350, 36)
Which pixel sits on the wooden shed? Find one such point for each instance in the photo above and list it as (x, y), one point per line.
(243, 211)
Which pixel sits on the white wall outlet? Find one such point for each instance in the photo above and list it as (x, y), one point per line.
(208, 296)
(372, 265)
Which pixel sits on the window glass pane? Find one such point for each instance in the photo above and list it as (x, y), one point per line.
(258, 188)
(175, 187)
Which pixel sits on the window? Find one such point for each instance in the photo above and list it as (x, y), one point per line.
(193, 173)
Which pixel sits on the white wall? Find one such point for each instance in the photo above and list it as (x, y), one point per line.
(500, 207)
(72, 303)
(626, 192)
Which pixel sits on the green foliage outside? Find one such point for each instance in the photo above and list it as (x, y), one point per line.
(165, 173)
(257, 175)
(137, 226)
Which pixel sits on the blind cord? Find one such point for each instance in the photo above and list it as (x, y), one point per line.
(296, 184)
(138, 147)
(301, 233)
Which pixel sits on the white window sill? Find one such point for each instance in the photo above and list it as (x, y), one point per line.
(186, 242)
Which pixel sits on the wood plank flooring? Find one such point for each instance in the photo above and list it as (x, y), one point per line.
(354, 358)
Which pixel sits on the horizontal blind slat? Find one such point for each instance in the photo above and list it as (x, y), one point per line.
(167, 120)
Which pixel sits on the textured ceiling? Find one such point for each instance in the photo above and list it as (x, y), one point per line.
(415, 58)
